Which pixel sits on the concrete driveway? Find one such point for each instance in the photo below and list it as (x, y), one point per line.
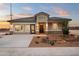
(16, 40)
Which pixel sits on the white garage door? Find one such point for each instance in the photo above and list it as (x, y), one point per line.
(27, 28)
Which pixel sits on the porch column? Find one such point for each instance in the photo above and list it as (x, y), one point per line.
(46, 27)
(37, 28)
(11, 27)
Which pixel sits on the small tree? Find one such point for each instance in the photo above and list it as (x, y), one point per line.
(65, 28)
(65, 31)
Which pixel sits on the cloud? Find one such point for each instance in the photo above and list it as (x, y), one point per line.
(42, 8)
(5, 18)
(21, 15)
(4, 9)
(61, 11)
(58, 11)
(28, 8)
(3, 6)
(15, 16)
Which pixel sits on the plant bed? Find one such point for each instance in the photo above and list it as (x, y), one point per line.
(61, 41)
(53, 42)
(45, 40)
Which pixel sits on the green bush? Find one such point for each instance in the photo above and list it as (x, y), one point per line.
(65, 30)
(51, 42)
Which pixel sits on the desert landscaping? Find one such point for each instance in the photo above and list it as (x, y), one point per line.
(55, 40)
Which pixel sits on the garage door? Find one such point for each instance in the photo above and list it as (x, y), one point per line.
(27, 28)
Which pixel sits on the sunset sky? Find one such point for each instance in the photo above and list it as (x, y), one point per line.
(21, 10)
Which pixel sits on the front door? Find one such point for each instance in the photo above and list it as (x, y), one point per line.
(41, 28)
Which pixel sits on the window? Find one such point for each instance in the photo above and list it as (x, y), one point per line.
(18, 27)
(55, 26)
(41, 17)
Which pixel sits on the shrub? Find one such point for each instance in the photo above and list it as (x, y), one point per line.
(51, 42)
(65, 30)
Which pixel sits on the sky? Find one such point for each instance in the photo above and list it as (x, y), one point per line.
(20, 10)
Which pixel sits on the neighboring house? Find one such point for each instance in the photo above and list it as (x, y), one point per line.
(40, 23)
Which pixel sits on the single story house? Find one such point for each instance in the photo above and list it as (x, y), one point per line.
(40, 23)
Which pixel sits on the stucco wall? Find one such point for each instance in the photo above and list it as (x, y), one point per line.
(41, 19)
(54, 26)
(25, 27)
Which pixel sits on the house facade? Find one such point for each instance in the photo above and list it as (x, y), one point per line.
(40, 23)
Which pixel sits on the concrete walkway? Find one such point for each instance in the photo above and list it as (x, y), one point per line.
(16, 40)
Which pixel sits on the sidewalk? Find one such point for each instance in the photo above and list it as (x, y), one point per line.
(54, 51)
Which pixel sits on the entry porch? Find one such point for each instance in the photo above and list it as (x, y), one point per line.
(49, 27)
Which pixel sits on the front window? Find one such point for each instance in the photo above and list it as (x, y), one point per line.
(55, 26)
(42, 17)
(18, 27)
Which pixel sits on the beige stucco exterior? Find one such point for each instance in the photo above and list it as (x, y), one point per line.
(40, 25)
(55, 26)
(25, 27)
(42, 20)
